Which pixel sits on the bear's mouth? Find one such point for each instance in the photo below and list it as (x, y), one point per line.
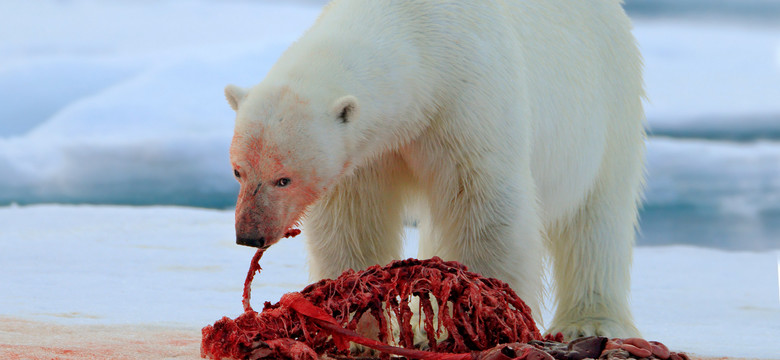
(291, 232)
(262, 242)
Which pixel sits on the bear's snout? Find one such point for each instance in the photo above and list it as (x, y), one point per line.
(252, 226)
(253, 242)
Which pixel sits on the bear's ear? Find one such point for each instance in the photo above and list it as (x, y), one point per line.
(235, 95)
(345, 108)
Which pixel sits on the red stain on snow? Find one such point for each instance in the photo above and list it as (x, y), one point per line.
(21, 339)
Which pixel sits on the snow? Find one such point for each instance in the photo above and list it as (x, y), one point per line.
(134, 135)
(98, 96)
(709, 70)
(120, 257)
(121, 103)
(180, 268)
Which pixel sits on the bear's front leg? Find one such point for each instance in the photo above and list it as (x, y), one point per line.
(487, 219)
(358, 223)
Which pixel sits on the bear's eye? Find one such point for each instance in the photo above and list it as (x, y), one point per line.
(283, 182)
(236, 173)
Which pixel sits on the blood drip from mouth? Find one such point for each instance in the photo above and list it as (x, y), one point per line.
(254, 268)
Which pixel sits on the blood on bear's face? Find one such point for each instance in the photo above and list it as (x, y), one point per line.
(284, 158)
(274, 192)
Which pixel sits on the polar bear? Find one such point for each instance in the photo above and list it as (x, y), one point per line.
(511, 129)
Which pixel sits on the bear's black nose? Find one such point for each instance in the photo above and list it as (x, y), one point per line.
(253, 242)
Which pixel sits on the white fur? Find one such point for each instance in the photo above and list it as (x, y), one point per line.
(504, 125)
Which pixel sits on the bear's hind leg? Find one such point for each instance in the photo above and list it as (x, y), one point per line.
(591, 255)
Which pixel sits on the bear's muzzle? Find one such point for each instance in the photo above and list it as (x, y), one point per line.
(253, 242)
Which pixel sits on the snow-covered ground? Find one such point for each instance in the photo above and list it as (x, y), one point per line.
(121, 102)
(180, 268)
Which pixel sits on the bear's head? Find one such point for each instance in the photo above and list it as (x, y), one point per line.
(287, 150)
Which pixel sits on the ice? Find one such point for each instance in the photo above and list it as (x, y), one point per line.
(180, 268)
(708, 301)
(121, 102)
(765, 12)
(741, 179)
(92, 28)
(711, 77)
(34, 92)
(162, 133)
(111, 265)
